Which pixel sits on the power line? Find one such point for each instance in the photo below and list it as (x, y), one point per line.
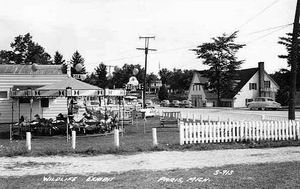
(271, 28)
(187, 47)
(259, 13)
(266, 34)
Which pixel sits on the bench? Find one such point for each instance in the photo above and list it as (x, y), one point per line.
(169, 119)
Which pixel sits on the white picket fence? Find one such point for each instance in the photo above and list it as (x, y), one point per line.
(276, 118)
(237, 131)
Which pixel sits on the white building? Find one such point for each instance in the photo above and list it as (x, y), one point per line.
(251, 83)
(22, 77)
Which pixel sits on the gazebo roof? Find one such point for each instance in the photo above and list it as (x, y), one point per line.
(69, 82)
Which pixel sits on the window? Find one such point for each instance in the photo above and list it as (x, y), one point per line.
(252, 86)
(45, 102)
(4, 95)
(267, 84)
(248, 100)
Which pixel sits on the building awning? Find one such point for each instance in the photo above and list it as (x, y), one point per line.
(57, 89)
(69, 82)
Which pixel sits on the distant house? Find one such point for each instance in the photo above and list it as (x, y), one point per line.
(198, 94)
(154, 86)
(251, 83)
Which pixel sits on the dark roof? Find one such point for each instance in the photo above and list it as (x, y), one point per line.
(210, 95)
(202, 80)
(21, 69)
(243, 76)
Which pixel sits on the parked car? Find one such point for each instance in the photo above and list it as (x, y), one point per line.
(149, 112)
(149, 104)
(175, 103)
(165, 103)
(186, 104)
(263, 103)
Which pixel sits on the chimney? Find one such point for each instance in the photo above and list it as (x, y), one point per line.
(261, 73)
(69, 70)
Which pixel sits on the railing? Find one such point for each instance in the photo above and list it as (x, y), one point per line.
(216, 132)
(276, 118)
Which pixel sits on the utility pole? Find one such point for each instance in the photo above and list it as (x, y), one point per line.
(294, 59)
(146, 49)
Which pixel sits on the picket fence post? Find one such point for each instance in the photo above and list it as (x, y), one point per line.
(73, 140)
(181, 133)
(28, 141)
(116, 138)
(298, 130)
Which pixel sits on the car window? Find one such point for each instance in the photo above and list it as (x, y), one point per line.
(270, 99)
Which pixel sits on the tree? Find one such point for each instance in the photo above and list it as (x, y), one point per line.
(58, 59)
(220, 56)
(25, 51)
(77, 59)
(163, 93)
(121, 76)
(287, 42)
(150, 78)
(282, 78)
(100, 74)
(7, 57)
(165, 76)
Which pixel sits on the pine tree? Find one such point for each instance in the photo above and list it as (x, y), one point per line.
(58, 59)
(77, 59)
(100, 73)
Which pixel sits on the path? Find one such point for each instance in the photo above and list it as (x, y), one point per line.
(19, 166)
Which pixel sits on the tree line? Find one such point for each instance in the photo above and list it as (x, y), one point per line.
(26, 51)
(219, 55)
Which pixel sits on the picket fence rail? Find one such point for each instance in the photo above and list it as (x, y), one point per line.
(216, 132)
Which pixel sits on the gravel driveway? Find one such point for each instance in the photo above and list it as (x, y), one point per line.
(19, 166)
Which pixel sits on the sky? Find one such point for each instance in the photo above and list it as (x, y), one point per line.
(108, 31)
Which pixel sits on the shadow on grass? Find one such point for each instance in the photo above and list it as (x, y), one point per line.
(92, 151)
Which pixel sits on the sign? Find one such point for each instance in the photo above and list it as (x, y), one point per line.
(115, 92)
(79, 76)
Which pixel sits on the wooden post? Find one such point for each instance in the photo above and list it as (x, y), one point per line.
(144, 124)
(154, 137)
(116, 138)
(181, 133)
(298, 130)
(74, 139)
(28, 141)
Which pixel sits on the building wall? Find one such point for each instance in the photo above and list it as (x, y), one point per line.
(246, 93)
(8, 81)
(196, 93)
(56, 106)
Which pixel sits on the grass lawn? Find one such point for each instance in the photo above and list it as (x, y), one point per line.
(132, 141)
(273, 175)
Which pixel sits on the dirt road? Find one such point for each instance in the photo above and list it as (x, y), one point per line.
(19, 166)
